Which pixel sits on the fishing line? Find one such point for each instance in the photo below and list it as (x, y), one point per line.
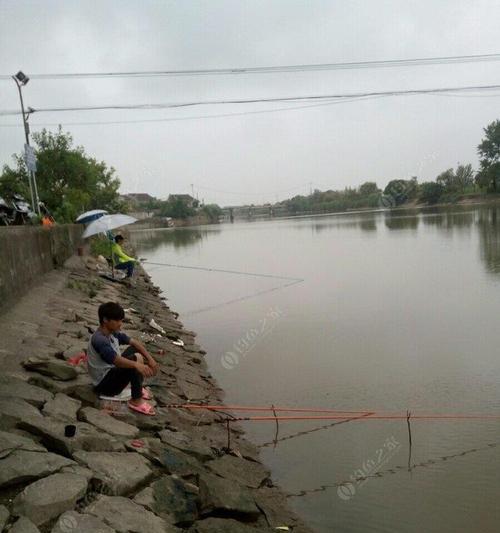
(274, 442)
(224, 271)
(332, 414)
(290, 281)
(240, 299)
(394, 470)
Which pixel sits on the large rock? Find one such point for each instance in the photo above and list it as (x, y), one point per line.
(73, 522)
(119, 473)
(62, 407)
(4, 516)
(22, 466)
(13, 410)
(107, 423)
(47, 498)
(248, 473)
(10, 442)
(24, 525)
(80, 388)
(218, 495)
(171, 498)
(179, 463)
(149, 447)
(273, 503)
(78, 470)
(87, 437)
(223, 525)
(12, 387)
(126, 516)
(191, 446)
(54, 368)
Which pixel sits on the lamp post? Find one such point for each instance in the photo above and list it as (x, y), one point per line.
(21, 80)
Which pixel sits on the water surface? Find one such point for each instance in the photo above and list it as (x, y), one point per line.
(396, 311)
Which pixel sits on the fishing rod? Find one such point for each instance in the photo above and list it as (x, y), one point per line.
(223, 271)
(289, 282)
(331, 414)
(250, 408)
(369, 416)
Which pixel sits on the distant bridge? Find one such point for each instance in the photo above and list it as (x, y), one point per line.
(252, 212)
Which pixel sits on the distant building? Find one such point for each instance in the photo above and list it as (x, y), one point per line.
(138, 198)
(140, 204)
(186, 199)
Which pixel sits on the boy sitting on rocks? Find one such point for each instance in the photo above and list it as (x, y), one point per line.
(111, 371)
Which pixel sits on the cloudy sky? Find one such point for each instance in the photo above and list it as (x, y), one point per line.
(254, 157)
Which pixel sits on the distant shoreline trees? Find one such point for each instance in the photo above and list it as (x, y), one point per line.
(448, 186)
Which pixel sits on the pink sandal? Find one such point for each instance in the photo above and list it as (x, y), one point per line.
(144, 408)
(146, 395)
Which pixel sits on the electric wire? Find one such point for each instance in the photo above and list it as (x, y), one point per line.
(243, 101)
(386, 63)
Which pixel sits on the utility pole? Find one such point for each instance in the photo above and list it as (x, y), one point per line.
(21, 79)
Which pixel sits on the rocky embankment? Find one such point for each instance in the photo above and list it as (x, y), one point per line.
(181, 470)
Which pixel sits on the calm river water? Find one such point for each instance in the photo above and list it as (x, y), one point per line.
(396, 311)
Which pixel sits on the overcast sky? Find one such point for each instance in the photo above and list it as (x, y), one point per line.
(254, 157)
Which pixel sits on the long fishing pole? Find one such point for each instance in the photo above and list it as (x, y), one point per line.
(370, 416)
(290, 281)
(332, 414)
(223, 271)
(251, 408)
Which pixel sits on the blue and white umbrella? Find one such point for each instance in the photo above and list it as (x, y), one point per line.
(90, 216)
(107, 223)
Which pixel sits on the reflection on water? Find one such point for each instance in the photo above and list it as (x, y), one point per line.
(151, 239)
(396, 220)
(448, 220)
(489, 235)
(398, 310)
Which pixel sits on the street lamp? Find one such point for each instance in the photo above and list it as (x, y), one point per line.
(21, 80)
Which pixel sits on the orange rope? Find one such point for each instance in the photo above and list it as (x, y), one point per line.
(370, 416)
(332, 414)
(249, 408)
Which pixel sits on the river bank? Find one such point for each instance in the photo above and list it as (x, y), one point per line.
(177, 471)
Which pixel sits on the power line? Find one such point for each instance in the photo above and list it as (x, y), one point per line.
(389, 63)
(311, 98)
(210, 189)
(195, 117)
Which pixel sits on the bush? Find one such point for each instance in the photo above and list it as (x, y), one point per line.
(431, 192)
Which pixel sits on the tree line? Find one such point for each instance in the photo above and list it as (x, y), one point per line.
(71, 182)
(447, 187)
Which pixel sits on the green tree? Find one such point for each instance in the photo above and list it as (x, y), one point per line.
(69, 181)
(457, 181)
(176, 207)
(212, 211)
(400, 190)
(369, 187)
(431, 192)
(488, 176)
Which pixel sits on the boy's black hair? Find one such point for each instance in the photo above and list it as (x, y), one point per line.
(110, 311)
(118, 238)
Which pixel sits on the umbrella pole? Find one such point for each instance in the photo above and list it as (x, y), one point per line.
(112, 261)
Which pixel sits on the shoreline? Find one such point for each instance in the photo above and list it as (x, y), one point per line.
(486, 200)
(170, 472)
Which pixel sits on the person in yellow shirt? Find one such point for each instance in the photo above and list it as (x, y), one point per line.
(121, 260)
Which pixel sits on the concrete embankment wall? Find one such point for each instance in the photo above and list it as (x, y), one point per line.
(27, 252)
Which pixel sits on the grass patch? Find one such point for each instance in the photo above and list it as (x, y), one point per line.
(90, 287)
(100, 246)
